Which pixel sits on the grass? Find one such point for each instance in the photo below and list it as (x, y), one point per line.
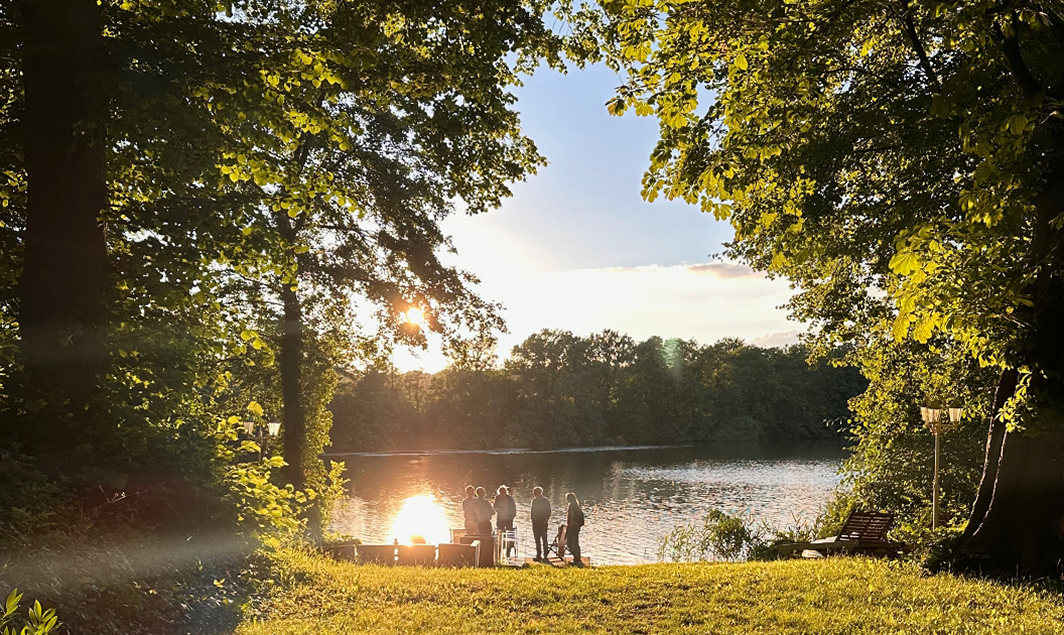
(314, 594)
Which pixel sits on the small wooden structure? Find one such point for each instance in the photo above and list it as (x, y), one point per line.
(423, 555)
(863, 533)
(375, 554)
(457, 555)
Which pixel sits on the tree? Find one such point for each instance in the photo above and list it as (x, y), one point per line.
(270, 173)
(900, 162)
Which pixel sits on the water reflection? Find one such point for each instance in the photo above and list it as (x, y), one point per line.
(631, 497)
(421, 519)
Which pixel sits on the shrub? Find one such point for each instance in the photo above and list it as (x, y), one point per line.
(37, 621)
(720, 536)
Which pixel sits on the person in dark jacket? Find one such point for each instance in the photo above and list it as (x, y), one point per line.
(484, 512)
(505, 512)
(469, 510)
(540, 519)
(505, 509)
(574, 520)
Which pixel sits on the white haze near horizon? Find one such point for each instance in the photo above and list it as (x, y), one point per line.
(576, 248)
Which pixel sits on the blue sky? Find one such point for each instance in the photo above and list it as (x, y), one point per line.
(577, 248)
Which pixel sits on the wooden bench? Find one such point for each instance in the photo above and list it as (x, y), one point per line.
(456, 555)
(862, 533)
(421, 555)
(376, 554)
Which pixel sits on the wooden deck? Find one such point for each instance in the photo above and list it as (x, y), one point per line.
(554, 561)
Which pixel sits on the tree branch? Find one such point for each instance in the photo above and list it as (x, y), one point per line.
(914, 39)
(1010, 46)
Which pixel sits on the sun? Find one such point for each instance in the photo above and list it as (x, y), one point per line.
(421, 516)
(415, 316)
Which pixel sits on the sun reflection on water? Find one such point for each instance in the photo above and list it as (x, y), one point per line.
(421, 516)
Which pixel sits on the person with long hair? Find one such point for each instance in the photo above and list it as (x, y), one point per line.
(574, 520)
(484, 512)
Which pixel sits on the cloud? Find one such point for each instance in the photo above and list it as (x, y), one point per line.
(775, 339)
(704, 302)
(724, 270)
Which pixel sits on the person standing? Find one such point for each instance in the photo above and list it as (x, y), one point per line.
(505, 512)
(469, 510)
(484, 512)
(505, 509)
(574, 520)
(540, 512)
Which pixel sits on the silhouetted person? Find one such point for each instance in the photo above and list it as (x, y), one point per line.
(505, 509)
(574, 520)
(540, 519)
(469, 510)
(484, 512)
(505, 512)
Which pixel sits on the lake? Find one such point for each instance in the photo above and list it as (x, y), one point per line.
(631, 496)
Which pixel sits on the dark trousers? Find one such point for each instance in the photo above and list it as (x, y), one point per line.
(484, 528)
(572, 543)
(539, 533)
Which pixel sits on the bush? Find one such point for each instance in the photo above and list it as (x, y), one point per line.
(722, 537)
(37, 621)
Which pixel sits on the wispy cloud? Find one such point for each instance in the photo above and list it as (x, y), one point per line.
(724, 270)
(718, 270)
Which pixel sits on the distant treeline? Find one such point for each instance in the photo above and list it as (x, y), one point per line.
(560, 390)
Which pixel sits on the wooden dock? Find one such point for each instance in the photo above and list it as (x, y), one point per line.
(555, 561)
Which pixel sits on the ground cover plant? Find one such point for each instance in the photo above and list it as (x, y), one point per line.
(313, 594)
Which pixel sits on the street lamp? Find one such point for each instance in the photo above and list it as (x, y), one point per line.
(266, 431)
(933, 420)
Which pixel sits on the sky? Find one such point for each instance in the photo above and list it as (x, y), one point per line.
(577, 248)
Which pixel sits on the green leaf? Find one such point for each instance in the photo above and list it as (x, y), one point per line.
(904, 263)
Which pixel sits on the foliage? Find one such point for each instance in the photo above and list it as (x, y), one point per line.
(128, 583)
(38, 621)
(720, 536)
(316, 594)
(560, 390)
(890, 466)
(902, 164)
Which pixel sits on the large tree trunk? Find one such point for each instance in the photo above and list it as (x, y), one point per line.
(1021, 530)
(295, 423)
(62, 314)
(291, 386)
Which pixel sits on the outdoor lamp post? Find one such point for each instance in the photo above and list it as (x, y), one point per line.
(266, 431)
(933, 420)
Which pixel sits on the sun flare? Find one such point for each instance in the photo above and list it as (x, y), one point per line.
(416, 316)
(421, 516)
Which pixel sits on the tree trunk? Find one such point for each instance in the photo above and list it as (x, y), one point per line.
(1022, 529)
(295, 423)
(62, 313)
(291, 386)
(994, 441)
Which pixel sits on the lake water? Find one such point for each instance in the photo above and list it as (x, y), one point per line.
(631, 496)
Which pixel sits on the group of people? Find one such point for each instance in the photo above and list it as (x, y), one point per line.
(479, 510)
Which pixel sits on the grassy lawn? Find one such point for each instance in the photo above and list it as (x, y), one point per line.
(317, 595)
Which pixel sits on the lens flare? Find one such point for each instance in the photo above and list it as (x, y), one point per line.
(416, 316)
(421, 516)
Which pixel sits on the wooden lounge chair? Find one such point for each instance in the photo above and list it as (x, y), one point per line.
(558, 546)
(863, 533)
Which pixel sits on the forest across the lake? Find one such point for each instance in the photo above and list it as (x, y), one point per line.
(562, 390)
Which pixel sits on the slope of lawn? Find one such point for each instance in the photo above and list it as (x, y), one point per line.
(314, 594)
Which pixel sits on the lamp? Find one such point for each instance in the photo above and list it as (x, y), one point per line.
(274, 428)
(249, 427)
(933, 420)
